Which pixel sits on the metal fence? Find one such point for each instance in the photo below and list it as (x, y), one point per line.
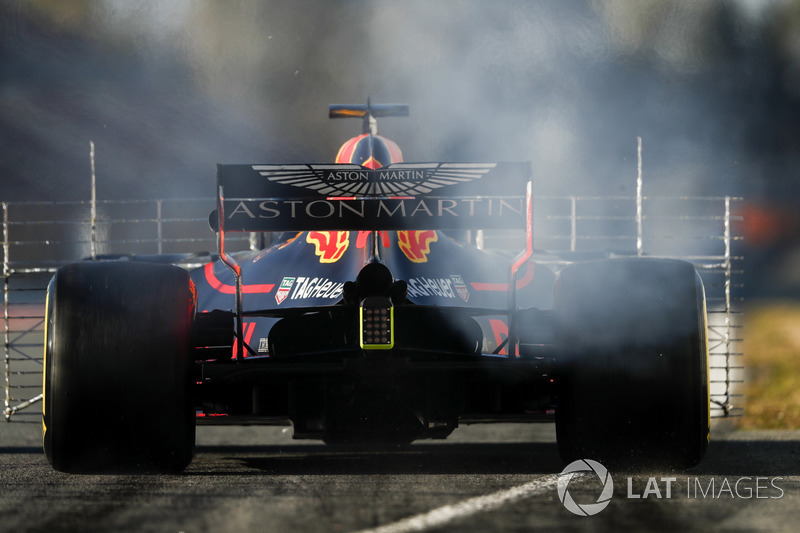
(700, 230)
(39, 237)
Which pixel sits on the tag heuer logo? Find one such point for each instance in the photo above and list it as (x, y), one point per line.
(283, 289)
(461, 287)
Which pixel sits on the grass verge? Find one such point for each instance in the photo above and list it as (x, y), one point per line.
(772, 366)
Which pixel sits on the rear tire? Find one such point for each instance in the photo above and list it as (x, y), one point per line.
(634, 372)
(117, 384)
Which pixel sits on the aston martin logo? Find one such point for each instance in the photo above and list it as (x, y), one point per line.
(399, 179)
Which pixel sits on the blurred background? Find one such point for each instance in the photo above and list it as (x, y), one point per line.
(167, 89)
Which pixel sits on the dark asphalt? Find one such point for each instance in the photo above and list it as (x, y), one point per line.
(484, 478)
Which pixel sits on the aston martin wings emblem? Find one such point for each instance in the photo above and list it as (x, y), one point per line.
(399, 179)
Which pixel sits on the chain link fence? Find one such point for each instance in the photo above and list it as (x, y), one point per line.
(39, 237)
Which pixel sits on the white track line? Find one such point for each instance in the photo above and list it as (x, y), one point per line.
(479, 504)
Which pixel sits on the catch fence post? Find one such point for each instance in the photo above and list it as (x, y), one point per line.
(93, 207)
(573, 221)
(639, 233)
(6, 319)
(159, 225)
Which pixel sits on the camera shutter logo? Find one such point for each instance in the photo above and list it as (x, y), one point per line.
(585, 465)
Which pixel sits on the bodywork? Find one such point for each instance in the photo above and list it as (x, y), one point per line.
(400, 233)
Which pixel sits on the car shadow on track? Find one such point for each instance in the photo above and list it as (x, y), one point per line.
(751, 458)
(740, 458)
(493, 458)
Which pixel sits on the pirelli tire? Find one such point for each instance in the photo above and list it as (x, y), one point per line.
(633, 375)
(117, 376)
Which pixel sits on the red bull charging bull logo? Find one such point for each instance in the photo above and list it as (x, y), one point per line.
(416, 245)
(330, 246)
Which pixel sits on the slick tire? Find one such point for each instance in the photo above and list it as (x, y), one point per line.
(633, 375)
(117, 379)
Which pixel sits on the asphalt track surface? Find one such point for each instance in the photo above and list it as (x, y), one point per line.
(484, 478)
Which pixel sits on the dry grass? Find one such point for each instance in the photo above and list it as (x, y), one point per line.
(772, 366)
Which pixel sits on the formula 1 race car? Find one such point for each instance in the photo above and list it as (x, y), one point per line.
(373, 317)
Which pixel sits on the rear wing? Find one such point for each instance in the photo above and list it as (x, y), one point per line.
(347, 197)
(400, 196)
